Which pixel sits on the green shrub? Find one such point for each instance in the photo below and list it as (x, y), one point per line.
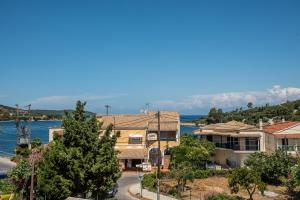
(6, 187)
(199, 174)
(222, 197)
(149, 181)
(271, 167)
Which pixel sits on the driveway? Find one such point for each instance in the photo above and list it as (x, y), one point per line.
(127, 179)
(6, 165)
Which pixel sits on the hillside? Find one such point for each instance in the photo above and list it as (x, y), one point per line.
(9, 113)
(251, 115)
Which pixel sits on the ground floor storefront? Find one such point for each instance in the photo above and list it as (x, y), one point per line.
(131, 159)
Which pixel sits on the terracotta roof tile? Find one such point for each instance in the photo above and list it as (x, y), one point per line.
(279, 127)
(140, 121)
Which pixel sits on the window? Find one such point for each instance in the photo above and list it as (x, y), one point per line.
(135, 140)
(252, 144)
(168, 135)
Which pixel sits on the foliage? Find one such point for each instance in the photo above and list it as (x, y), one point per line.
(182, 173)
(149, 181)
(36, 142)
(271, 167)
(6, 187)
(22, 151)
(248, 179)
(79, 162)
(292, 181)
(215, 116)
(20, 177)
(222, 197)
(289, 111)
(195, 152)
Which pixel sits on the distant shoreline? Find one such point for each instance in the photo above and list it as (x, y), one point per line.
(42, 120)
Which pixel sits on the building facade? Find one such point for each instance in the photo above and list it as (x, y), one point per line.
(137, 141)
(234, 141)
(283, 135)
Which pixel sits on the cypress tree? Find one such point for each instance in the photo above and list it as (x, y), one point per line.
(79, 163)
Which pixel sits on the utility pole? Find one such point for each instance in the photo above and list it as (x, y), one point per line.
(147, 107)
(158, 156)
(107, 108)
(29, 130)
(34, 156)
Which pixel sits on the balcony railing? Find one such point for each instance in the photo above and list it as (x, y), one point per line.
(236, 147)
(289, 147)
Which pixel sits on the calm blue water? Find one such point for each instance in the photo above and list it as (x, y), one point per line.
(39, 129)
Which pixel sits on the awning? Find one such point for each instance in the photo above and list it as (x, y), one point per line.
(132, 154)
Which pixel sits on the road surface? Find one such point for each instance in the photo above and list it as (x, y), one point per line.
(6, 164)
(127, 179)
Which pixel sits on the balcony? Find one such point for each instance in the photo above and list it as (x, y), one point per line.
(236, 146)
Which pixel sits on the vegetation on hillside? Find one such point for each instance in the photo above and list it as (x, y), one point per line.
(251, 115)
(9, 113)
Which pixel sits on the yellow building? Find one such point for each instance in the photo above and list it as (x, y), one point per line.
(138, 133)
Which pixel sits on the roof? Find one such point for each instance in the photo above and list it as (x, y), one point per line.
(233, 126)
(140, 121)
(279, 127)
(164, 126)
(132, 154)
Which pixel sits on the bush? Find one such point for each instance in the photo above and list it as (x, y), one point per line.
(222, 197)
(6, 187)
(271, 167)
(199, 174)
(149, 181)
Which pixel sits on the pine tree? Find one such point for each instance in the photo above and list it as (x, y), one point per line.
(79, 163)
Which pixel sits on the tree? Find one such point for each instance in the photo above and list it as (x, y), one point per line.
(182, 173)
(79, 163)
(194, 151)
(248, 179)
(215, 116)
(36, 142)
(20, 177)
(250, 105)
(271, 167)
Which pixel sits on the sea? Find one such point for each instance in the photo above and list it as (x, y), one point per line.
(40, 129)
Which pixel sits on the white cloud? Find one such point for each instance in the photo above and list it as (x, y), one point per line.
(275, 95)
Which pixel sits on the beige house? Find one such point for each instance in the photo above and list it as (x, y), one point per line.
(138, 133)
(283, 135)
(234, 141)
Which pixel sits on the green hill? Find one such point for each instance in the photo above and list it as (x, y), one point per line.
(9, 113)
(288, 111)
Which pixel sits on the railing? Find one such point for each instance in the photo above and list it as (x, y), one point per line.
(289, 147)
(237, 147)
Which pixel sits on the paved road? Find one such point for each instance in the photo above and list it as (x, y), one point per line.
(127, 179)
(6, 164)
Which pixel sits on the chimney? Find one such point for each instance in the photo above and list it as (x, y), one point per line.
(283, 120)
(260, 124)
(271, 122)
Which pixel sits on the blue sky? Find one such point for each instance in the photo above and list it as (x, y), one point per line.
(182, 55)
